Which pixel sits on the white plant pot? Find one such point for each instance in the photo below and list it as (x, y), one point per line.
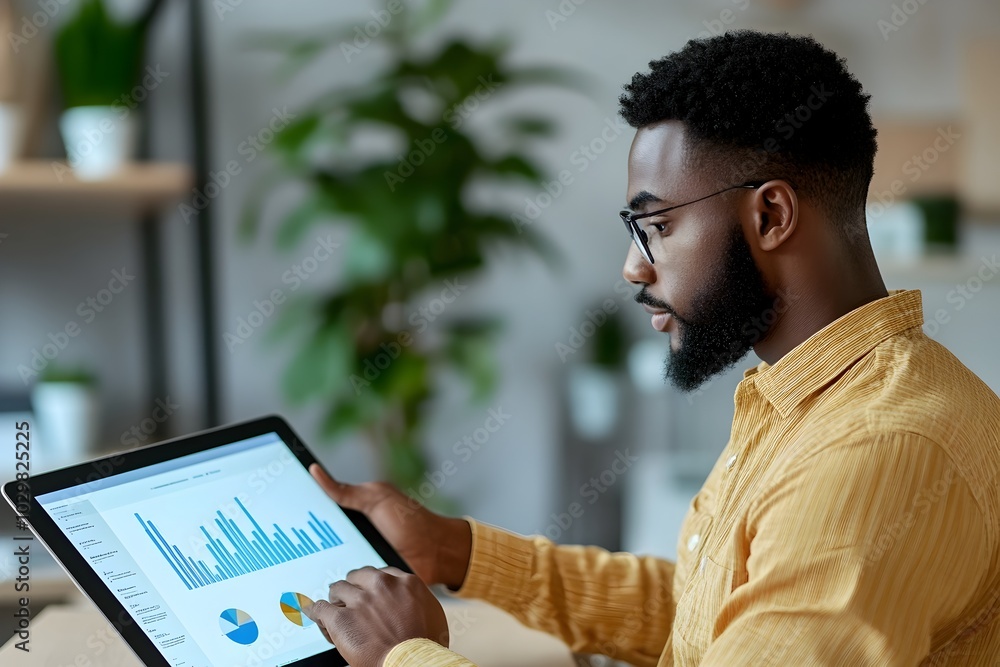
(10, 133)
(67, 415)
(99, 140)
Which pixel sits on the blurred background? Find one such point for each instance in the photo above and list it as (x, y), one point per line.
(396, 226)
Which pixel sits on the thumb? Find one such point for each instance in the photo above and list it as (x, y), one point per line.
(340, 493)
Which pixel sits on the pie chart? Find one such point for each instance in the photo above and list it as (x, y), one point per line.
(292, 605)
(238, 626)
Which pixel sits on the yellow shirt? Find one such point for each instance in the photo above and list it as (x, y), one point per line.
(851, 520)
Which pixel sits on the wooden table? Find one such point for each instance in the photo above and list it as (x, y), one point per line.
(78, 634)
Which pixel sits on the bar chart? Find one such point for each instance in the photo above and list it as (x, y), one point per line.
(240, 554)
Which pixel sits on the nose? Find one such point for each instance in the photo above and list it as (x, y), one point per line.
(637, 270)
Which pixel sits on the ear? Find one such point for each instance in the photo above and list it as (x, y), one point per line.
(775, 214)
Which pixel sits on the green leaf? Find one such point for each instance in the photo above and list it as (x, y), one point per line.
(316, 208)
(471, 353)
(407, 464)
(321, 366)
(432, 13)
(99, 60)
(297, 133)
(368, 258)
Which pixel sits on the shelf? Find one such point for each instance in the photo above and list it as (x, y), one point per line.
(49, 187)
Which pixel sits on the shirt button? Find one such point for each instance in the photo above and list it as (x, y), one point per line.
(730, 462)
(693, 542)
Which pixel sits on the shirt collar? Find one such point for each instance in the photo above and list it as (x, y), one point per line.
(828, 352)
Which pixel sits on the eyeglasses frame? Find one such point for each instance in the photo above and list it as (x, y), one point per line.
(639, 235)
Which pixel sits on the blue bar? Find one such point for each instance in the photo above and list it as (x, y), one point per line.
(232, 540)
(241, 565)
(244, 554)
(261, 543)
(308, 541)
(288, 542)
(265, 543)
(336, 538)
(194, 567)
(259, 550)
(187, 568)
(217, 553)
(248, 551)
(179, 561)
(302, 540)
(319, 534)
(326, 528)
(184, 566)
(208, 573)
(233, 564)
(282, 548)
(248, 546)
(164, 553)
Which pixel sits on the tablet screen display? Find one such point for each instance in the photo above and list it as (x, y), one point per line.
(215, 554)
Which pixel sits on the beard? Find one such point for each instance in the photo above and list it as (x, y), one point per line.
(726, 319)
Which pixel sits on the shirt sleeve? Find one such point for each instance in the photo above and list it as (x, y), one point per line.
(423, 653)
(614, 604)
(858, 555)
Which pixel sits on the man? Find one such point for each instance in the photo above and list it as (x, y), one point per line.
(854, 516)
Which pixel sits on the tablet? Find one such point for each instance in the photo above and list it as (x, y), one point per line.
(202, 551)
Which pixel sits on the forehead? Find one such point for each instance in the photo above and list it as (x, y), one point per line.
(657, 161)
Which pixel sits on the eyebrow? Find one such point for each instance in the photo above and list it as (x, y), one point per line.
(643, 197)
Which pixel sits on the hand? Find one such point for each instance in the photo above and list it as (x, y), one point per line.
(437, 548)
(371, 611)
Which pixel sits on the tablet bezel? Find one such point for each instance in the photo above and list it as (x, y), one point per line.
(83, 574)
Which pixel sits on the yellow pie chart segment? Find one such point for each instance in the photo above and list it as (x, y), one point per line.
(292, 605)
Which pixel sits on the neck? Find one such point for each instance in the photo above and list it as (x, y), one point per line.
(816, 301)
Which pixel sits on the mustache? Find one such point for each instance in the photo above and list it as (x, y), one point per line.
(645, 298)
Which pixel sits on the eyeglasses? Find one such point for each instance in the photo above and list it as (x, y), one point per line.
(639, 235)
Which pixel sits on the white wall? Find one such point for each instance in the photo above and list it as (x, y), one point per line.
(511, 481)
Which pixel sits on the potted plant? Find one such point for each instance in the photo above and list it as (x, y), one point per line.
(372, 346)
(67, 406)
(99, 62)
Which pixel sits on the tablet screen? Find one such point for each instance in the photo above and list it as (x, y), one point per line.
(215, 554)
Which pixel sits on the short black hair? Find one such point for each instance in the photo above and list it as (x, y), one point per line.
(760, 105)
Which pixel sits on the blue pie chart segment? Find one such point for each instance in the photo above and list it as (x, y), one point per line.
(237, 625)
